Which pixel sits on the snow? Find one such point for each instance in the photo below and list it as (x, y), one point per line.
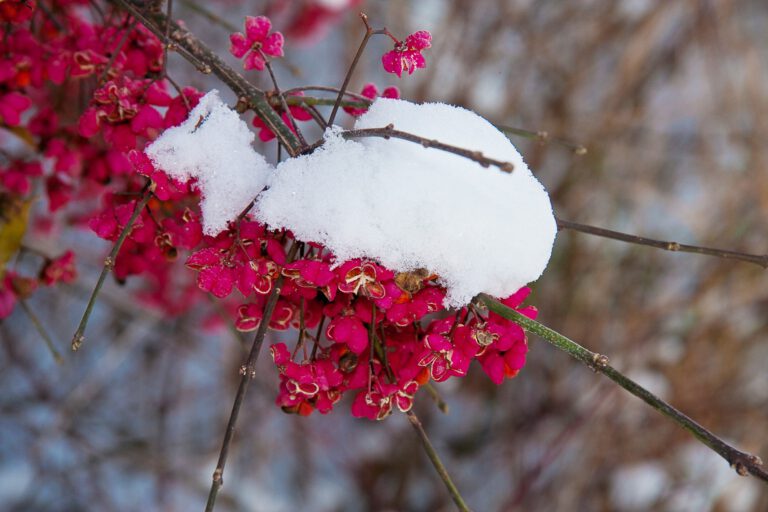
(217, 152)
(480, 229)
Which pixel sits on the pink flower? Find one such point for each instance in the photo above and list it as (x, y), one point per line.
(11, 107)
(370, 91)
(349, 330)
(256, 41)
(406, 56)
(59, 270)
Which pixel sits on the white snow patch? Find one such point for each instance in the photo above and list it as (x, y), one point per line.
(480, 229)
(217, 152)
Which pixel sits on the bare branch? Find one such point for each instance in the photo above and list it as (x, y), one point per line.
(744, 463)
(247, 373)
(757, 259)
(390, 132)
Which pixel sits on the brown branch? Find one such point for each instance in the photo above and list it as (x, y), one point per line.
(744, 463)
(369, 32)
(109, 265)
(325, 88)
(195, 51)
(281, 99)
(247, 372)
(390, 132)
(544, 137)
(757, 259)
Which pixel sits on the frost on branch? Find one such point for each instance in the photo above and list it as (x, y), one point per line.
(213, 146)
(409, 207)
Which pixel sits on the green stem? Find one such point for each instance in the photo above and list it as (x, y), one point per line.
(41, 330)
(743, 463)
(435, 396)
(437, 463)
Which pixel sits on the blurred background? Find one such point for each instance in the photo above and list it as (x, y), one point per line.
(670, 98)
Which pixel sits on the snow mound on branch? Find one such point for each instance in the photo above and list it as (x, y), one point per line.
(480, 229)
(213, 146)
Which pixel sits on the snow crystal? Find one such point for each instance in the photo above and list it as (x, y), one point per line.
(213, 146)
(480, 229)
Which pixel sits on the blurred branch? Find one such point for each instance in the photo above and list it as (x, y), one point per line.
(757, 259)
(744, 463)
(543, 136)
(40, 328)
(436, 462)
(210, 15)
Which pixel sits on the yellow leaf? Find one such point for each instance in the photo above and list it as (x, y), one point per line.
(14, 215)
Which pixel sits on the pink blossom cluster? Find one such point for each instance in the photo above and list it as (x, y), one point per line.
(360, 327)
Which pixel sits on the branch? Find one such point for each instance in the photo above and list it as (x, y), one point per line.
(195, 51)
(247, 372)
(543, 136)
(109, 265)
(369, 32)
(757, 259)
(390, 132)
(744, 463)
(436, 462)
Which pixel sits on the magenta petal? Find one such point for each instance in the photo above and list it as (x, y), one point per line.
(257, 27)
(392, 63)
(370, 90)
(273, 45)
(493, 366)
(280, 354)
(238, 45)
(204, 258)
(419, 40)
(253, 61)
(391, 92)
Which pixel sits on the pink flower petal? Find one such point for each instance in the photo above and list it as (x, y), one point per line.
(238, 45)
(257, 28)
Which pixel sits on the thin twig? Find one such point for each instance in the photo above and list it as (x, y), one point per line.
(116, 51)
(435, 396)
(281, 98)
(109, 264)
(390, 132)
(743, 463)
(247, 372)
(543, 136)
(210, 15)
(166, 39)
(41, 330)
(436, 462)
(757, 259)
(369, 32)
(325, 88)
(313, 100)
